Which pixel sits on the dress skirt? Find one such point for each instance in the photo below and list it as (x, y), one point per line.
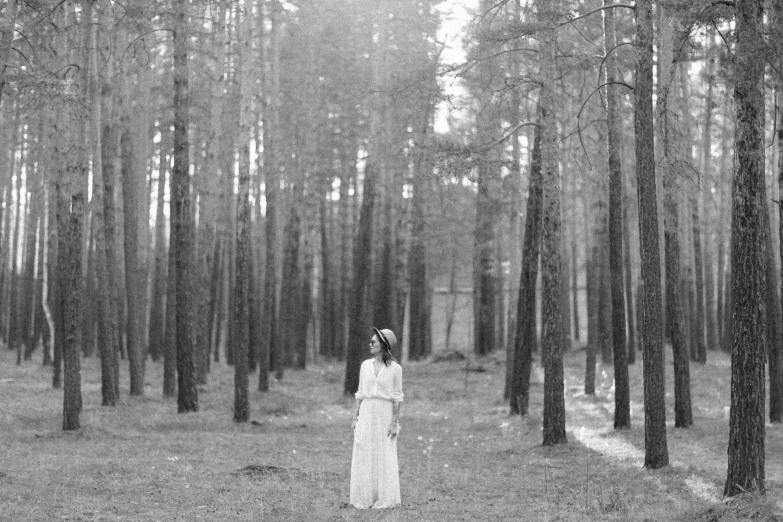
(375, 477)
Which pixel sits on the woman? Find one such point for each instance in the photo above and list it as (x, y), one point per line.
(375, 477)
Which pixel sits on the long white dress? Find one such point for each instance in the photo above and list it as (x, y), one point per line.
(375, 477)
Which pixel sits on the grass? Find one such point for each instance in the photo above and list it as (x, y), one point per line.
(461, 456)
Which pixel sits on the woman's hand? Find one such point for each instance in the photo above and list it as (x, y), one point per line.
(392, 431)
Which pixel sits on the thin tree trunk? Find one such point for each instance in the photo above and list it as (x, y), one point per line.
(575, 290)
(14, 343)
(674, 307)
(170, 331)
(484, 284)
(109, 148)
(358, 327)
(708, 168)
(551, 246)
(656, 454)
(182, 220)
(158, 305)
(101, 99)
(269, 348)
(136, 351)
(593, 300)
(526, 339)
(630, 311)
(622, 405)
(419, 313)
(774, 324)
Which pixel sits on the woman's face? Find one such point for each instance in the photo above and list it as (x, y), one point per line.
(376, 346)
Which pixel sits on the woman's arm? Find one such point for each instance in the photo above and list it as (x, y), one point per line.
(359, 397)
(358, 404)
(396, 402)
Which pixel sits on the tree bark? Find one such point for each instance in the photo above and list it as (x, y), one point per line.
(109, 349)
(622, 403)
(774, 324)
(182, 220)
(746, 420)
(526, 338)
(656, 454)
(135, 346)
(157, 325)
(776, 401)
(551, 243)
(593, 299)
(358, 327)
(291, 287)
(268, 355)
(708, 169)
(630, 309)
(417, 257)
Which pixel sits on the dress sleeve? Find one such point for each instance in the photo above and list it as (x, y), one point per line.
(397, 384)
(360, 390)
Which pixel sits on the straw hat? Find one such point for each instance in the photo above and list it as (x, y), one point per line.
(387, 337)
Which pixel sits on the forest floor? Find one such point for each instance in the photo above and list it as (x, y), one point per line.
(461, 456)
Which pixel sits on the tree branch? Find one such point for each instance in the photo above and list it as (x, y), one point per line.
(486, 146)
(585, 15)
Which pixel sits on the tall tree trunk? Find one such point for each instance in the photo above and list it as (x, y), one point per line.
(243, 256)
(384, 276)
(14, 343)
(134, 342)
(656, 453)
(484, 284)
(358, 326)
(593, 300)
(774, 325)
(674, 306)
(346, 226)
(515, 226)
(575, 289)
(268, 356)
(776, 401)
(708, 171)
(329, 312)
(700, 347)
(109, 349)
(622, 401)
(724, 260)
(170, 319)
(630, 312)
(419, 312)
(158, 305)
(109, 148)
(526, 338)
(551, 243)
(746, 420)
(291, 286)
(69, 262)
(182, 219)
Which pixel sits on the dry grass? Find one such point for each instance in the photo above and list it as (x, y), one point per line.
(461, 456)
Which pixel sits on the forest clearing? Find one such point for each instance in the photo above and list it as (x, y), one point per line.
(462, 457)
(207, 205)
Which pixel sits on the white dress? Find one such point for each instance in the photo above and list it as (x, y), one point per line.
(375, 477)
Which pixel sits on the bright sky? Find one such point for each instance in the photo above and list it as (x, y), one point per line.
(455, 17)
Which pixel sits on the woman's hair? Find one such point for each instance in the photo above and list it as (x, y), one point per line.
(386, 355)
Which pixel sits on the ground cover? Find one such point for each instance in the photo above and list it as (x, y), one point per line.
(461, 456)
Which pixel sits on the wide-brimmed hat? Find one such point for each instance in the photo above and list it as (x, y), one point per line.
(387, 337)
